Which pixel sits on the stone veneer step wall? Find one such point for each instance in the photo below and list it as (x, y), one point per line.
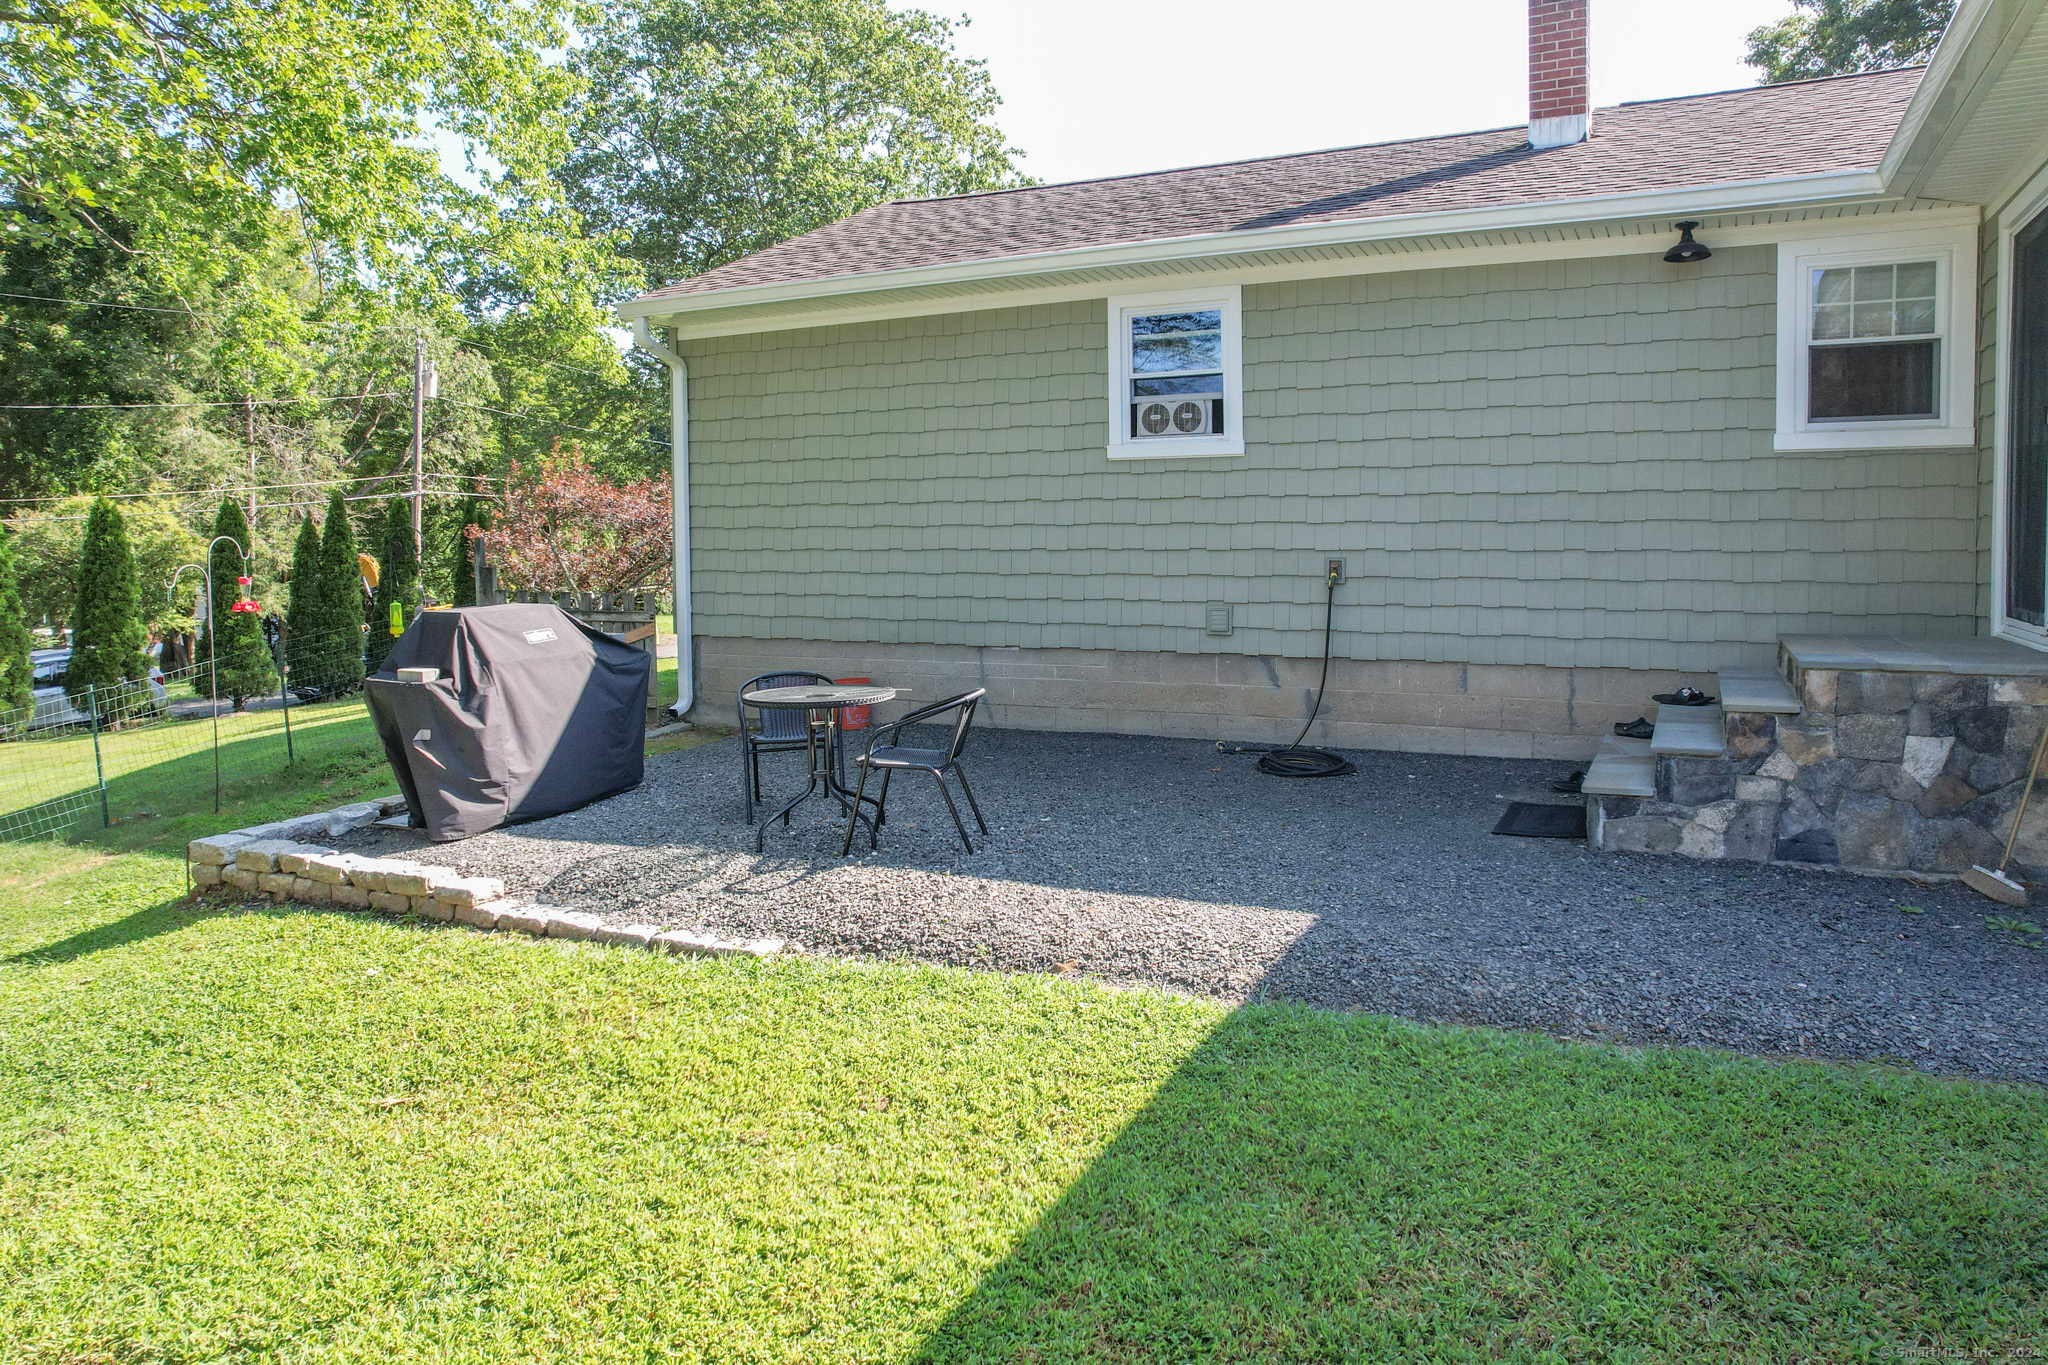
(1896, 766)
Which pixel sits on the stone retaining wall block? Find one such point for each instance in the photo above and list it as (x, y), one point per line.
(460, 891)
(261, 855)
(294, 860)
(331, 868)
(219, 851)
(525, 919)
(483, 914)
(369, 873)
(419, 879)
(573, 924)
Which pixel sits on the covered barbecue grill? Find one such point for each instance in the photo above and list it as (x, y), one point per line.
(531, 713)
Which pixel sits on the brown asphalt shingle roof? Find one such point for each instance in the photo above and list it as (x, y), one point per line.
(1761, 133)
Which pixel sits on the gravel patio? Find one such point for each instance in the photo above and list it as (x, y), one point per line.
(1157, 862)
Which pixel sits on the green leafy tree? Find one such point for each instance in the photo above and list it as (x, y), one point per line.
(305, 617)
(1842, 37)
(398, 581)
(340, 632)
(55, 353)
(198, 137)
(47, 551)
(107, 634)
(552, 384)
(260, 179)
(234, 639)
(707, 129)
(17, 676)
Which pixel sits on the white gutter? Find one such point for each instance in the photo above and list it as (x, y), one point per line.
(1696, 201)
(679, 460)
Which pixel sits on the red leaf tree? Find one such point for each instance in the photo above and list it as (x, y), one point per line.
(564, 527)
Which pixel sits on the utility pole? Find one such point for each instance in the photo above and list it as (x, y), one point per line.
(249, 435)
(419, 431)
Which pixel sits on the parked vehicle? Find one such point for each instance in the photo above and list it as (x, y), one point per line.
(54, 707)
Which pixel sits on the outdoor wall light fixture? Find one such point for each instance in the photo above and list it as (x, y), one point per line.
(1687, 251)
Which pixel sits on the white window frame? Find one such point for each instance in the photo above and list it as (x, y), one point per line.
(2030, 202)
(1229, 299)
(1954, 253)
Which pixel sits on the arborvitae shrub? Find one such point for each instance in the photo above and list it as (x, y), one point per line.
(17, 676)
(302, 619)
(107, 634)
(399, 582)
(461, 555)
(237, 644)
(341, 604)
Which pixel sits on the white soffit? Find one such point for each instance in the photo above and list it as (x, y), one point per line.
(1981, 121)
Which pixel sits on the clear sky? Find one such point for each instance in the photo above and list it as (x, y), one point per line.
(1109, 87)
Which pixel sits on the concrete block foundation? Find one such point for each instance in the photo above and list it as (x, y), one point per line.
(1491, 710)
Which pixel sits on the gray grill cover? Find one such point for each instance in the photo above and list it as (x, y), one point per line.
(534, 714)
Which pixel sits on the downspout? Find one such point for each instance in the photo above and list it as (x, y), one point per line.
(679, 458)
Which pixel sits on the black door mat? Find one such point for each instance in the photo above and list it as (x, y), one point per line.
(1534, 820)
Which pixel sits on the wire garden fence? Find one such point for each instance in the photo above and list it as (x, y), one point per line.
(97, 756)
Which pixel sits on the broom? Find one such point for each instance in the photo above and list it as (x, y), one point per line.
(1993, 882)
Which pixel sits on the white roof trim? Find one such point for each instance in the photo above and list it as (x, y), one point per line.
(1974, 56)
(1631, 238)
(1698, 200)
(1955, 39)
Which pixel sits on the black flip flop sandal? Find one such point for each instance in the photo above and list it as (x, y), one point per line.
(1639, 728)
(1684, 696)
(1571, 785)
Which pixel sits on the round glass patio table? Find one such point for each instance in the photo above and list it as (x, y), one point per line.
(822, 704)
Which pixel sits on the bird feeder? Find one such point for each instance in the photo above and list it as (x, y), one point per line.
(243, 602)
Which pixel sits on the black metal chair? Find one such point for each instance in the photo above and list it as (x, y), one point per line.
(890, 758)
(781, 731)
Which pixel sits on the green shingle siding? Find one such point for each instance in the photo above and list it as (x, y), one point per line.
(1562, 463)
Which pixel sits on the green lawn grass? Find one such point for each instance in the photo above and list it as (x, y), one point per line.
(160, 776)
(292, 1136)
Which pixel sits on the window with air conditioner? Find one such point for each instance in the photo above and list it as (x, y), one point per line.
(1175, 386)
(1877, 340)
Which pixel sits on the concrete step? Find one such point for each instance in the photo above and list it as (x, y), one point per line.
(1757, 691)
(1622, 767)
(1689, 732)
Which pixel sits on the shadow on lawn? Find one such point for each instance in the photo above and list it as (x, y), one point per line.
(165, 917)
(1314, 1186)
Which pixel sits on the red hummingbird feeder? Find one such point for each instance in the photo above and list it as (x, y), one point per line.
(242, 601)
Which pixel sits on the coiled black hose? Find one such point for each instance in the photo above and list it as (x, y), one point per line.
(1295, 760)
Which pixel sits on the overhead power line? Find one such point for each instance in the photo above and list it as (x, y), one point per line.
(310, 322)
(154, 308)
(275, 506)
(221, 403)
(550, 421)
(538, 360)
(245, 488)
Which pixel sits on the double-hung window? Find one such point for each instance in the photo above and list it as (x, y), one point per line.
(1175, 386)
(1877, 340)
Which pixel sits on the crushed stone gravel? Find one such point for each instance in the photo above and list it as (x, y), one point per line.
(1163, 863)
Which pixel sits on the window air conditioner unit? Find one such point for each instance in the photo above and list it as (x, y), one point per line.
(1178, 414)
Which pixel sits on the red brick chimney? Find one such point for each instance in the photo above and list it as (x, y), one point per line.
(1560, 102)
